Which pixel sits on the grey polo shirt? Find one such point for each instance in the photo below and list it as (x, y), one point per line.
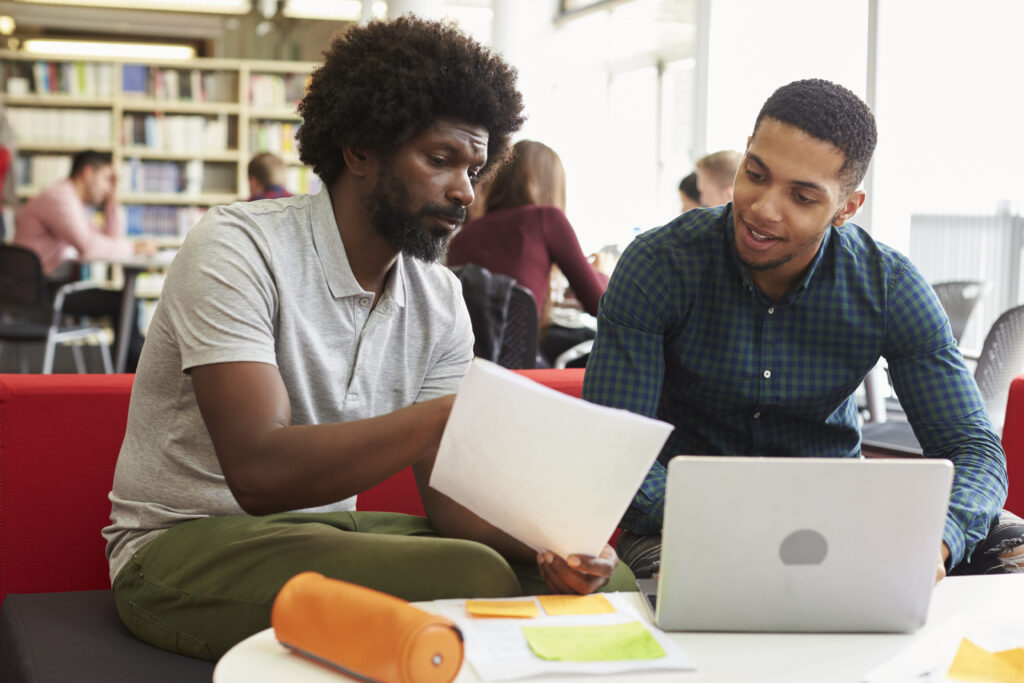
(269, 282)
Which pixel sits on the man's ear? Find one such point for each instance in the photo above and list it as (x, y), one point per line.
(850, 206)
(357, 160)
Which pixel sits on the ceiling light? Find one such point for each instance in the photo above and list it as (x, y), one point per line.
(6, 25)
(212, 6)
(110, 49)
(340, 10)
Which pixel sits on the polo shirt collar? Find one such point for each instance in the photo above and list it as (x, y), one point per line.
(334, 261)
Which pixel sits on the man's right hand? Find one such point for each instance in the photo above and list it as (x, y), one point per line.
(145, 248)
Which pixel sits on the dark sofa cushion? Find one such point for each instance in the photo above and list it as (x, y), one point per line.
(78, 636)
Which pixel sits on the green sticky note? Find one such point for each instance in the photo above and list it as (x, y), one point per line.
(593, 643)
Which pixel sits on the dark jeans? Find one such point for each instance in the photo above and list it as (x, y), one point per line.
(1001, 552)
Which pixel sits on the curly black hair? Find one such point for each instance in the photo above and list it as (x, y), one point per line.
(829, 112)
(384, 82)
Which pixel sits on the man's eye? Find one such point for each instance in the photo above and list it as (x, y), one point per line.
(804, 199)
(754, 175)
(437, 161)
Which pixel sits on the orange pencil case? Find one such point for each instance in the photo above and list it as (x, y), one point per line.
(364, 632)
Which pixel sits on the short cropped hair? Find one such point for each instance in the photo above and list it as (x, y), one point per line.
(688, 186)
(268, 169)
(88, 159)
(720, 166)
(828, 111)
(384, 82)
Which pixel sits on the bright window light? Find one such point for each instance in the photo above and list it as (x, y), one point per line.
(211, 6)
(339, 10)
(105, 49)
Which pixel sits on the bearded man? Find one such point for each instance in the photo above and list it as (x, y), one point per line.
(308, 348)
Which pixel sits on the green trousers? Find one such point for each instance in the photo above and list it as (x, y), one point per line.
(202, 586)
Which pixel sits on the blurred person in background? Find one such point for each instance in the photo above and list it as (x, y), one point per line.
(59, 225)
(524, 232)
(689, 193)
(266, 177)
(715, 175)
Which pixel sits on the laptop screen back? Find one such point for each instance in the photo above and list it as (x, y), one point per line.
(800, 544)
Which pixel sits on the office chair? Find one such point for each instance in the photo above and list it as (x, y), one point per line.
(520, 340)
(958, 299)
(27, 315)
(503, 315)
(1001, 359)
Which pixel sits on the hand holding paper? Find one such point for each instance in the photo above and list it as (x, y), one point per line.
(553, 471)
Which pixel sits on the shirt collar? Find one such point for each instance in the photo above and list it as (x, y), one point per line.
(727, 225)
(334, 261)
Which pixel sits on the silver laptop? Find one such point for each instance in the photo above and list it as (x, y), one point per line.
(799, 544)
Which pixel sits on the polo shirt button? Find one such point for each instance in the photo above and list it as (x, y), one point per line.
(757, 416)
(767, 374)
(364, 301)
(771, 310)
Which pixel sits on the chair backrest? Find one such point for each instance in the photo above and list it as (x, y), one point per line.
(1002, 357)
(503, 314)
(958, 299)
(22, 286)
(520, 341)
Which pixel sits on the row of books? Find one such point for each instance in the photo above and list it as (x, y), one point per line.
(277, 90)
(302, 180)
(161, 222)
(178, 133)
(273, 136)
(179, 85)
(71, 127)
(41, 170)
(77, 79)
(161, 176)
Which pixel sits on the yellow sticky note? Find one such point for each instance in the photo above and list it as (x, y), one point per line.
(523, 609)
(613, 642)
(558, 605)
(972, 663)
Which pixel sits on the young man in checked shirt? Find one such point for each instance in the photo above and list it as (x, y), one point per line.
(749, 326)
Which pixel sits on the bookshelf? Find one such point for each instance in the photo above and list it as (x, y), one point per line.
(180, 133)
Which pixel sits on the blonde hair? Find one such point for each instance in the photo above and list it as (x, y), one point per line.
(720, 166)
(533, 176)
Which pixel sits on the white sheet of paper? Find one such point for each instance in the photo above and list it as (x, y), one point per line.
(553, 471)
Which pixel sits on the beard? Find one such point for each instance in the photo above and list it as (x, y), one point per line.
(405, 230)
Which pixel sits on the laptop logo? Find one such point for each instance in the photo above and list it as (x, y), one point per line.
(804, 546)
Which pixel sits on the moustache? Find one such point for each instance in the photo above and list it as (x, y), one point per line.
(455, 213)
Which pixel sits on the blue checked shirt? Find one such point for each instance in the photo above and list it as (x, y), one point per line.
(685, 336)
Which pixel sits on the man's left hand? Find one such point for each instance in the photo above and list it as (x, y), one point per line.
(940, 571)
(582, 574)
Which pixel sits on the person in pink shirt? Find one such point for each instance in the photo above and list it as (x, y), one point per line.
(57, 225)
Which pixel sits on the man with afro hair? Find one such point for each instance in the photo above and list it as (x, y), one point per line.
(307, 348)
(769, 313)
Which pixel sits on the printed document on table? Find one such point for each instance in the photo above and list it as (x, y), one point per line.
(498, 649)
(554, 471)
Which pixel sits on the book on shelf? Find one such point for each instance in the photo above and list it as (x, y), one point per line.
(72, 127)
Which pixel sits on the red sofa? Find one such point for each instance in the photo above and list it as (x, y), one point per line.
(59, 439)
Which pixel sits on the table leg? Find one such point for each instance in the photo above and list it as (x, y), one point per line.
(124, 333)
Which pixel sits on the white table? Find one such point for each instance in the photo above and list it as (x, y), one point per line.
(764, 657)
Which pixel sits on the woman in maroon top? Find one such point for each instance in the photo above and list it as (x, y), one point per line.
(524, 230)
